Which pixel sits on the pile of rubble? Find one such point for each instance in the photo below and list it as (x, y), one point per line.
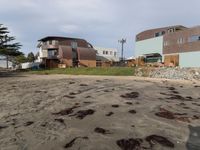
(176, 73)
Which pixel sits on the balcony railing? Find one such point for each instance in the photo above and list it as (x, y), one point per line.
(52, 46)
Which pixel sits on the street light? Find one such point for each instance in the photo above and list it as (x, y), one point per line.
(122, 41)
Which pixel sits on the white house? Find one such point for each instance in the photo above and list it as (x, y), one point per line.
(110, 54)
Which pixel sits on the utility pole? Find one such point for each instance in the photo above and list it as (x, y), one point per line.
(122, 41)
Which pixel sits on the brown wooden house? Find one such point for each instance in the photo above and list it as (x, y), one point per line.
(66, 52)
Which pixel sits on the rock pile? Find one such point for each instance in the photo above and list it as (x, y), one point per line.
(176, 73)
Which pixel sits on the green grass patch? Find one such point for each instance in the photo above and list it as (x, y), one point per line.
(113, 71)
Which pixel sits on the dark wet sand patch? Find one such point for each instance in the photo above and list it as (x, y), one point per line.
(83, 113)
(71, 143)
(132, 111)
(130, 144)
(75, 93)
(40, 91)
(130, 95)
(60, 120)
(72, 82)
(171, 88)
(170, 115)
(66, 111)
(196, 86)
(115, 106)
(195, 117)
(177, 97)
(44, 124)
(109, 114)
(3, 127)
(181, 104)
(88, 97)
(175, 92)
(68, 96)
(83, 85)
(153, 139)
(87, 102)
(28, 123)
(186, 107)
(129, 103)
(101, 131)
(107, 91)
(196, 104)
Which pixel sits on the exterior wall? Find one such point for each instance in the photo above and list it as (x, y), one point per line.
(154, 45)
(65, 52)
(87, 63)
(87, 57)
(171, 60)
(172, 41)
(190, 59)
(86, 54)
(67, 62)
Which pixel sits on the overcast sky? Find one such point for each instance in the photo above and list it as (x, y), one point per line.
(101, 22)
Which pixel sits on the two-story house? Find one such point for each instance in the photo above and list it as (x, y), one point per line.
(66, 52)
(177, 45)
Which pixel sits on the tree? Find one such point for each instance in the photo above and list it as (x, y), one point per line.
(8, 48)
(20, 59)
(31, 57)
(37, 55)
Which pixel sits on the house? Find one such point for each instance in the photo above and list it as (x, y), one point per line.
(106, 56)
(174, 46)
(108, 53)
(66, 52)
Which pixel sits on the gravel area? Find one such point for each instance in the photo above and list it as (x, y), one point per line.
(170, 73)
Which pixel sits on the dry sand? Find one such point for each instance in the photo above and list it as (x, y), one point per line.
(98, 113)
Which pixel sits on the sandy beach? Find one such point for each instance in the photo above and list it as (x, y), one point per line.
(58, 112)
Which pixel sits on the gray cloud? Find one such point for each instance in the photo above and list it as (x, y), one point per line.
(101, 22)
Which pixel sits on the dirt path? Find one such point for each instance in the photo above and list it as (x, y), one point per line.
(102, 113)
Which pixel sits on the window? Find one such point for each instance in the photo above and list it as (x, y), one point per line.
(163, 32)
(180, 41)
(106, 52)
(54, 42)
(194, 38)
(52, 53)
(111, 53)
(170, 30)
(50, 42)
(115, 54)
(159, 33)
